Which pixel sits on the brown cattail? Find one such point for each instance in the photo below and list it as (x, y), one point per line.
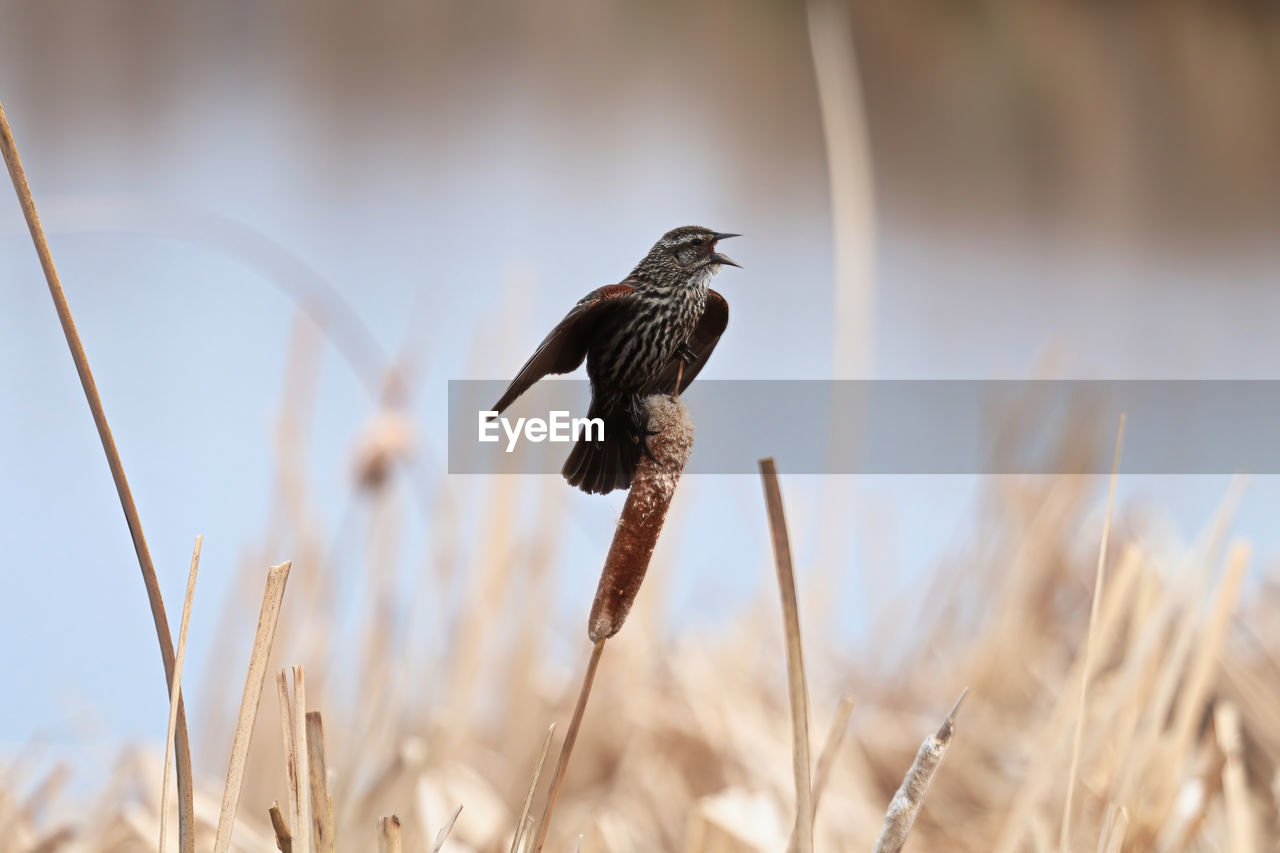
(642, 515)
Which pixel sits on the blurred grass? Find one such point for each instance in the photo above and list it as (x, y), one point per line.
(686, 745)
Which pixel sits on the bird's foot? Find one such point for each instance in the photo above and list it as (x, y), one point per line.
(640, 427)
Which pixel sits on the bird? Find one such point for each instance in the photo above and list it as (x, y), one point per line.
(651, 333)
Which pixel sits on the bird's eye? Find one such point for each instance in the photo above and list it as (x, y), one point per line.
(698, 241)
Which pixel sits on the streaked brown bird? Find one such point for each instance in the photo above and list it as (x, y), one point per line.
(639, 337)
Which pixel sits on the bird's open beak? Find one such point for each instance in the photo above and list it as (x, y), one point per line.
(725, 259)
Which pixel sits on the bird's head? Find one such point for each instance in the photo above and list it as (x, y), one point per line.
(692, 248)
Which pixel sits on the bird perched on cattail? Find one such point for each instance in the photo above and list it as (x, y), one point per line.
(655, 329)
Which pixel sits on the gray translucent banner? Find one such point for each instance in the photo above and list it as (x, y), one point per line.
(909, 426)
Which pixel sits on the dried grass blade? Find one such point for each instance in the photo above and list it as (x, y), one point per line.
(262, 641)
(286, 732)
(182, 756)
(1235, 782)
(443, 834)
(321, 805)
(1064, 840)
(533, 787)
(1201, 670)
(831, 748)
(389, 835)
(802, 834)
(1115, 827)
(284, 841)
(175, 691)
(302, 766)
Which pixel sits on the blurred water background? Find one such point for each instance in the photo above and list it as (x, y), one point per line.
(1060, 189)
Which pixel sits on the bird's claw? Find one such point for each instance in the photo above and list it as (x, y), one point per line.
(642, 433)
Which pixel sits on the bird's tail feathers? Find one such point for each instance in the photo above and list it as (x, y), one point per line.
(599, 465)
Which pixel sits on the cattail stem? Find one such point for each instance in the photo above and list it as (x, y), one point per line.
(566, 749)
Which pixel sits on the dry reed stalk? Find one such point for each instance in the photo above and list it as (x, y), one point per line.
(443, 834)
(642, 516)
(802, 833)
(1164, 743)
(1200, 674)
(904, 807)
(1115, 825)
(533, 787)
(53, 841)
(850, 179)
(284, 841)
(1064, 840)
(1048, 736)
(182, 758)
(566, 749)
(1152, 667)
(286, 733)
(1235, 783)
(1149, 626)
(1187, 823)
(302, 764)
(277, 576)
(389, 835)
(321, 804)
(175, 690)
(830, 749)
(1171, 659)
(46, 792)
(849, 172)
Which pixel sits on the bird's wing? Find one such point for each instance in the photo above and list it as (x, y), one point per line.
(702, 340)
(566, 347)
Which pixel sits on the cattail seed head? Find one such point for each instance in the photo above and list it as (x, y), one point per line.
(642, 515)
